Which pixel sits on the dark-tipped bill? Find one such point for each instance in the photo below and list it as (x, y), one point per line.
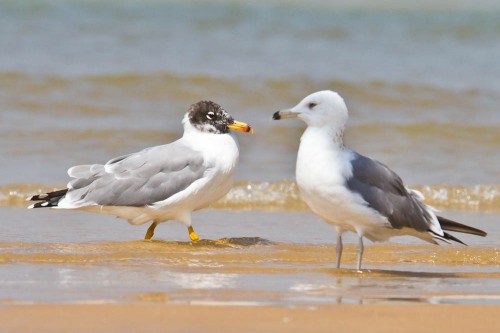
(240, 126)
(284, 114)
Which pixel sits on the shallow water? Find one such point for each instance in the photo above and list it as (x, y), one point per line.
(84, 81)
(243, 257)
(427, 134)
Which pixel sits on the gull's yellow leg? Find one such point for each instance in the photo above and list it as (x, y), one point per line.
(151, 230)
(194, 237)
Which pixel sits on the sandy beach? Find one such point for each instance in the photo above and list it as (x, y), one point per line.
(205, 318)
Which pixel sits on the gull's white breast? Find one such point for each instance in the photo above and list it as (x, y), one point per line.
(322, 170)
(220, 154)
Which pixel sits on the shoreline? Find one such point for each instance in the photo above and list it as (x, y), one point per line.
(400, 317)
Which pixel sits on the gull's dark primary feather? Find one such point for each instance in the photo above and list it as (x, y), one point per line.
(50, 199)
(450, 225)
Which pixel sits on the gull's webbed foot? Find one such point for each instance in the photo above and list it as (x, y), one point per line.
(194, 237)
(151, 231)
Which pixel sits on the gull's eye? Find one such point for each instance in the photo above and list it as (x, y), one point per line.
(311, 105)
(210, 115)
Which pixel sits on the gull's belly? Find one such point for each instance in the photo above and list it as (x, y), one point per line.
(213, 190)
(327, 196)
(343, 209)
(198, 195)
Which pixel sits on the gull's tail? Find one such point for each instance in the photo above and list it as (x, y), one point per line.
(50, 199)
(450, 225)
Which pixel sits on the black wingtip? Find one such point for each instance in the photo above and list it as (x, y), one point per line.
(38, 197)
(48, 196)
(45, 204)
(450, 237)
(446, 237)
(276, 115)
(449, 225)
(50, 199)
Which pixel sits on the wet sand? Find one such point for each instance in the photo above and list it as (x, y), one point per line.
(236, 318)
(68, 257)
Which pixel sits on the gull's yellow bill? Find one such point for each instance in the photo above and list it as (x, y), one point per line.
(240, 126)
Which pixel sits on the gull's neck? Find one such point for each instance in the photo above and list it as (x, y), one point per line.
(188, 128)
(326, 135)
(321, 159)
(192, 133)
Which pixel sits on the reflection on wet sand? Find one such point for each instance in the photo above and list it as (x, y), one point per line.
(250, 268)
(253, 249)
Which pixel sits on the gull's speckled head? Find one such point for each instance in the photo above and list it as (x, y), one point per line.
(210, 117)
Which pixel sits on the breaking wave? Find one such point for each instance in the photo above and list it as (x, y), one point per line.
(284, 196)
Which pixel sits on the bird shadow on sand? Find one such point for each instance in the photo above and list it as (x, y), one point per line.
(374, 273)
(223, 242)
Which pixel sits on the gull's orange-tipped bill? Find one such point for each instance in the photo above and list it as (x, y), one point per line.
(240, 126)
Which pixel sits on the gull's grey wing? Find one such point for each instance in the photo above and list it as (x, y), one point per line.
(151, 175)
(385, 192)
(85, 171)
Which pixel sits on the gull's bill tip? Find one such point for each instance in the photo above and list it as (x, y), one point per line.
(284, 114)
(240, 126)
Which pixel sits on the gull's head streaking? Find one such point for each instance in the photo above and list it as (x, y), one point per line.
(321, 109)
(210, 117)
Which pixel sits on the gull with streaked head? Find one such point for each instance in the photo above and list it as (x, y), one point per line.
(161, 183)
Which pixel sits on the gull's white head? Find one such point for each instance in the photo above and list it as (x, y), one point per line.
(323, 109)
